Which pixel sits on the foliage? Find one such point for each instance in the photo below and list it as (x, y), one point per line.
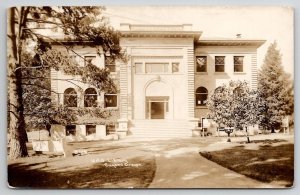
(275, 97)
(29, 69)
(233, 105)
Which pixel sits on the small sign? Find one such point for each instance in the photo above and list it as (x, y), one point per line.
(205, 123)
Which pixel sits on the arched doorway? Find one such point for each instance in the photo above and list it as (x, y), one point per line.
(158, 100)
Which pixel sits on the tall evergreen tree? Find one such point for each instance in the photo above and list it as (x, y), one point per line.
(275, 91)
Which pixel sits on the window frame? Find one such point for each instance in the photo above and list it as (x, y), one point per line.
(142, 67)
(73, 130)
(198, 94)
(111, 94)
(110, 63)
(65, 94)
(178, 67)
(238, 65)
(89, 56)
(165, 67)
(198, 71)
(86, 129)
(95, 104)
(219, 64)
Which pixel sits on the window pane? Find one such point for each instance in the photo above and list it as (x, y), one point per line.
(110, 64)
(238, 68)
(220, 60)
(90, 129)
(175, 67)
(90, 98)
(70, 98)
(110, 100)
(89, 60)
(70, 130)
(138, 67)
(201, 62)
(156, 67)
(110, 129)
(111, 68)
(219, 68)
(219, 63)
(238, 63)
(201, 96)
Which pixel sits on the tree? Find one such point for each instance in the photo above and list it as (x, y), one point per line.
(275, 90)
(28, 25)
(233, 105)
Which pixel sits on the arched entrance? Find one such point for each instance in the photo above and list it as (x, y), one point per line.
(158, 100)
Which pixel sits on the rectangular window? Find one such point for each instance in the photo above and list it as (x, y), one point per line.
(89, 60)
(201, 62)
(70, 130)
(157, 67)
(238, 63)
(110, 64)
(175, 67)
(219, 63)
(111, 100)
(110, 129)
(138, 67)
(90, 129)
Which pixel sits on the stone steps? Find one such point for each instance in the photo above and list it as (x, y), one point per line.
(160, 129)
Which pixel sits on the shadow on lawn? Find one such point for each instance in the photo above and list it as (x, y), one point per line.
(40, 175)
(268, 164)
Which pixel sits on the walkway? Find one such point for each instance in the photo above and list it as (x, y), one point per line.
(179, 165)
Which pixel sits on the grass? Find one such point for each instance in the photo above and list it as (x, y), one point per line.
(270, 163)
(46, 171)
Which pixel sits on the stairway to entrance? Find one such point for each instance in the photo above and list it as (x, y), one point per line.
(158, 128)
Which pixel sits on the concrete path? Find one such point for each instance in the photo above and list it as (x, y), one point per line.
(179, 165)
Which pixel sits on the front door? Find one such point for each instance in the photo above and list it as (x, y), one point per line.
(157, 107)
(157, 110)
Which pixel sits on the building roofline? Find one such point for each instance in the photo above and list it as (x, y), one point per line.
(230, 42)
(162, 34)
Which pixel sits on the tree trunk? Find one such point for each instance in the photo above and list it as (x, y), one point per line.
(248, 140)
(273, 130)
(18, 136)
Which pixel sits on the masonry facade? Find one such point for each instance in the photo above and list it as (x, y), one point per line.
(164, 86)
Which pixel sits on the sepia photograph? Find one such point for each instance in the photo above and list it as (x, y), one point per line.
(150, 97)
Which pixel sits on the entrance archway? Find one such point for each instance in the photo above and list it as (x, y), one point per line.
(158, 100)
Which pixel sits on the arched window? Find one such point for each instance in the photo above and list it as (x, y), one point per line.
(201, 96)
(70, 97)
(90, 97)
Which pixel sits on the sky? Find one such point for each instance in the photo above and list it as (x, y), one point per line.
(269, 23)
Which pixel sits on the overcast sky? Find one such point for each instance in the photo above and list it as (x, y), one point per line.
(269, 23)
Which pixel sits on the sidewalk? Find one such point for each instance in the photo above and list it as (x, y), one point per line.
(186, 168)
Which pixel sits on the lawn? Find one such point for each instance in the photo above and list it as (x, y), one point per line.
(271, 161)
(118, 169)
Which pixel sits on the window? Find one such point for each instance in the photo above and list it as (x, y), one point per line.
(238, 63)
(138, 67)
(201, 96)
(219, 63)
(70, 130)
(89, 60)
(110, 64)
(90, 129)
(110, 129)
(157, 67)
(110, 100)
(90, 97)
(175, 67)
(70, 97)
(201, 62)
